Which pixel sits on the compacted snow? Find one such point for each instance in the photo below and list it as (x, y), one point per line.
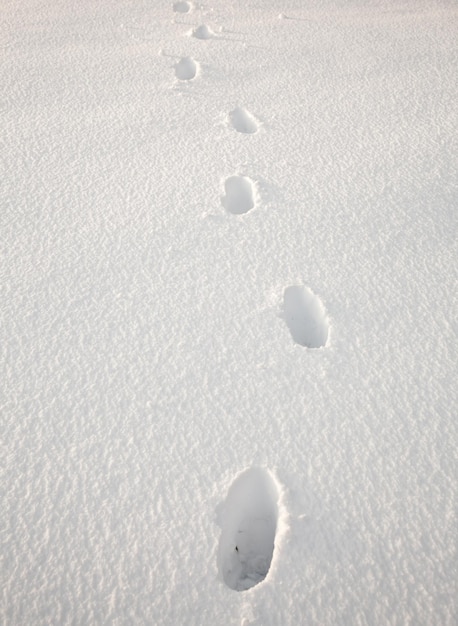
(229, 312)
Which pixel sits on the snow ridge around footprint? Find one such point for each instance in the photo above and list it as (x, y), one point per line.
(240, 195)
(249, 520)
(305, 316)
(243, 121)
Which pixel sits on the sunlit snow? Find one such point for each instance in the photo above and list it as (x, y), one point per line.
(228, 313)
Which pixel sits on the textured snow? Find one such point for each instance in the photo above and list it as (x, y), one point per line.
(229, 309)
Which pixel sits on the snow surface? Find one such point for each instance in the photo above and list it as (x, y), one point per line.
(180, 218)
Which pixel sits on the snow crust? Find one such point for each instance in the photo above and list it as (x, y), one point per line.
(183, 222)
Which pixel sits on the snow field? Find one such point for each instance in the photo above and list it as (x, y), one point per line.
(251, 511)
(229, 313)
(250, 514)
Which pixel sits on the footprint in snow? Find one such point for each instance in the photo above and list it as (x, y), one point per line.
(186, 69)
(240, 195)
(202, 32)
(243, 121)
(248, 520)
(182, 7)
(305, 316)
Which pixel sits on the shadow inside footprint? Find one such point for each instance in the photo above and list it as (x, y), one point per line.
(248, 520)
(186, 69)
(182, 7)
(202, 32)
(243, 121)
(305, 317)
(240, 195)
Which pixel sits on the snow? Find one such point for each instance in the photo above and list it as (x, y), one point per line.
(186, 69)
(249, 519)
(240, 195)
(229, 309)
(202, 32)
(305, 317)
(243, 121)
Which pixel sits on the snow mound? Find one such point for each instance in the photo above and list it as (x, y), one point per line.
(305, 317)
(240, 194)
(243, 121)
(248, 519)
(186, 69)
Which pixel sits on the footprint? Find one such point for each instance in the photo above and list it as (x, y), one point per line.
(182, 7)
(202, 32)
(186, 69)
(248, 520)
(240, 194)
(243, 121)
(305, 316)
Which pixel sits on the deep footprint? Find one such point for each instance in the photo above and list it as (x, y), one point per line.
(202, 32)
(248, 521)
(305, 316)
(240, 194)
(182, 7)
(243, 121)
(186, 69)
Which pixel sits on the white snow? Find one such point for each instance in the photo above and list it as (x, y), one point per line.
(202, 32)
(229, 312)
(249, 520)
(305, 316)
(240, 193)
(182, 7)
(243, 121)
(186, 69)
